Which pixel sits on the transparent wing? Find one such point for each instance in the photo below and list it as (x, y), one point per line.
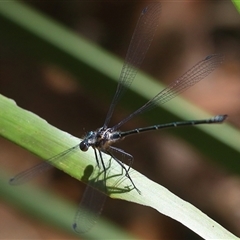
(91, 205)
(36, 170)
(138, 47)
(89, 210)
(195, 74)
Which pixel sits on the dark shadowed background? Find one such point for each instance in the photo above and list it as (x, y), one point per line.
(188, 31)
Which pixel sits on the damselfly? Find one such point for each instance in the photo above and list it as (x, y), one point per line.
(102, 139)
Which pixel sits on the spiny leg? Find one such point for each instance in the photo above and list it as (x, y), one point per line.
(103, 165)
(130, 157)
(96, 157)
(125, 169)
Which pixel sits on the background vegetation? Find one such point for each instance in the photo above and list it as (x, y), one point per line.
(42, 61)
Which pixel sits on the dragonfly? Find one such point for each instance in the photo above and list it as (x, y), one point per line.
(102, 139)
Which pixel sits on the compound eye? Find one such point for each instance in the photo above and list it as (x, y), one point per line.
(83, 146)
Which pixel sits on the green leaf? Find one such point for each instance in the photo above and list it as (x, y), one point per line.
(236, 4)
(35, 134)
